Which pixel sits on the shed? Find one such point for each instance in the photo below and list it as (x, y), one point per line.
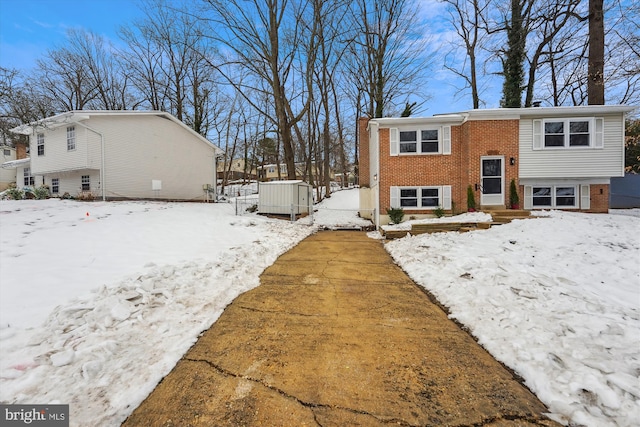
(285, 197)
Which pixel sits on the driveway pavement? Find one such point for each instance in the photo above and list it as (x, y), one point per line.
(337, 335)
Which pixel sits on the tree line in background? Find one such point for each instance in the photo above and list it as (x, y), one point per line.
(284, 81)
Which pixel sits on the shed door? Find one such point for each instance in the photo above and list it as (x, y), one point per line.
(303, 199)
(492, 178)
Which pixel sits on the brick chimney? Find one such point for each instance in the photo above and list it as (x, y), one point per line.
(21, 149)
(363, 143)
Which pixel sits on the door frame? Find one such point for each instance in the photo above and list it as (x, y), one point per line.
(492, 199)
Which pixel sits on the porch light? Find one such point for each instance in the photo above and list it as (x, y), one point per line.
(512, 161)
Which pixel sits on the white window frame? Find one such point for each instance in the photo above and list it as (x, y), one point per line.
(444, 197)
(85, 183)
(596, 126)
(71, 138)
(444, 140)
(29, 180)
(554, 196)
(40, 144)
(55, 185)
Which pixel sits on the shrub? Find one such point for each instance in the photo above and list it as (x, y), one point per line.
(514, 199)
(396, 215)
(439, 212)
(14, 193)
(471, 199)
(41, 192)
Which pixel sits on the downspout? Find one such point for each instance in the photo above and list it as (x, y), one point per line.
(102, 174)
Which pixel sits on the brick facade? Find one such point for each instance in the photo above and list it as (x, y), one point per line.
(469, 142)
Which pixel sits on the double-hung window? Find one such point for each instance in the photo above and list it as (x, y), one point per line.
(428, 140)
(55, 185)
(421, 197)
(568, 133)
(28, 179)
(71, 138)
(40, 144)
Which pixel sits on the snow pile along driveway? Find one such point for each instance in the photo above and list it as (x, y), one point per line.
(556, 299)
(100, 300)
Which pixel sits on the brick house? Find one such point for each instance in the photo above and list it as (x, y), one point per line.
(560, 158)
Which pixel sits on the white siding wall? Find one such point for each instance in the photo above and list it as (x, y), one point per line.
(56, 156)
(141, 149)
(574, 162)
(71, 182)
(7, 176)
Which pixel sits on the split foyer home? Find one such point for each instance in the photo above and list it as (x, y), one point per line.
(117, 155)
(559, 157)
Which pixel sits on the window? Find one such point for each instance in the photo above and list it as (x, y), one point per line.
(7, 152)
(555, 196)
(429, 142)
(408, 142)
(86, 183)
(568, 133)
(430, 197)
(408, 197)
(40, 144)
(28, 179)
(71, 138)
(421, 197)
(55, 185)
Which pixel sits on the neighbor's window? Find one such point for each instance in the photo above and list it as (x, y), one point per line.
(567, 133)
(555, 196)
(71, 138)
(7, 152)
(40, 143)
(55, 185)
(28, 179)
(86, 183)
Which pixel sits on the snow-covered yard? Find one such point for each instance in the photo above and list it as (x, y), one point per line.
(98, 301)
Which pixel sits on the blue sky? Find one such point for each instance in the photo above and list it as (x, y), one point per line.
(29, 27)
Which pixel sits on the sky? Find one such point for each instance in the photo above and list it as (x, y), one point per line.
(28, 28)
(98, 324)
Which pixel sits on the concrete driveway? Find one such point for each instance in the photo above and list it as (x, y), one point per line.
(337, 335)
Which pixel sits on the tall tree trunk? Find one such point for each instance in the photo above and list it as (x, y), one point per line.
(595, 84)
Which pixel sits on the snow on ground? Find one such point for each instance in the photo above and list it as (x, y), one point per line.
(98, 301)
(556, 299)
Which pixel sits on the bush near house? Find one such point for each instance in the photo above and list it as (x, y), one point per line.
(396, 215)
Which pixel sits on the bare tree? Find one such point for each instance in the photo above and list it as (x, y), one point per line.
(466, 17)
(387, 52)
(262, 40)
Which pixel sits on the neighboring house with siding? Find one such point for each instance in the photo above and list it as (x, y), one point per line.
(118, 155)
(7, 175)
(560, 158)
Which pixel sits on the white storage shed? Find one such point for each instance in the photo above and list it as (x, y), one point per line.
(285, 197)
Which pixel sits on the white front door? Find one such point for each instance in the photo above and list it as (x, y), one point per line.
(492, 179)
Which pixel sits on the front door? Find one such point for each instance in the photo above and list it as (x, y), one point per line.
(492, 179)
